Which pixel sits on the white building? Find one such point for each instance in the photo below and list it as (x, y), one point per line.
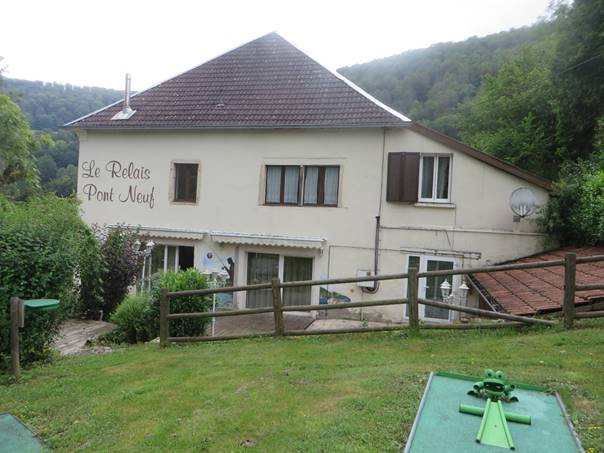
(266, 163)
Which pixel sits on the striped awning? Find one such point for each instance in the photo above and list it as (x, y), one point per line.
(165, 232)
(267, 240)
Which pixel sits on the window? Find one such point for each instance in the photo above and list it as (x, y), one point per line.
(296, 269)
(282, 184)
(166, 258)
(185, 188)
(308, 185)
(321, 185)
(434, 178)
(263, 267)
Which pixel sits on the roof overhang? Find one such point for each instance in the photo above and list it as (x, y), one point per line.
(268, 240)
(493, 161)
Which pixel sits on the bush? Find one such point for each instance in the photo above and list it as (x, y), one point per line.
(41, 242)
(179, 281)
(122, 263)
(574, 214)
(90, 277)
(134, 320)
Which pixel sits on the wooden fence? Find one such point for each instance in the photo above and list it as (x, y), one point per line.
(412, 300)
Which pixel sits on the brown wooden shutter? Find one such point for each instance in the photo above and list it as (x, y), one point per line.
(403, 177)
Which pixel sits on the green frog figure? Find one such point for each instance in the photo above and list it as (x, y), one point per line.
(494, 387)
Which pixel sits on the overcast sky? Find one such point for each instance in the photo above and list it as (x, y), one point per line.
(95, 42)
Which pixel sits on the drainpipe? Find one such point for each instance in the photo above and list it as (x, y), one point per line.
(376, 253)
(376, 248)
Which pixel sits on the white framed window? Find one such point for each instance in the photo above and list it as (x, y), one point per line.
(302, 185)
(435, 178)
(429, 287)
(169, 258)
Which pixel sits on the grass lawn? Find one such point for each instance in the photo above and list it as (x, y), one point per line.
(342, 393)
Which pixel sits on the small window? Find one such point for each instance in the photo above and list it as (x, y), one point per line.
(282, 184)
(434, 178)
(185, 188)
(321, 185)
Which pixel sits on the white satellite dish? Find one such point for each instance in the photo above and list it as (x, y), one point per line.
(523, 202)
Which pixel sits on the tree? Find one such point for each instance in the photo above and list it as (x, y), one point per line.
(123, 260)
(18, 174)
(65, 182)
(514, 116)
(47, 168)
(579, 75)
(574, 214)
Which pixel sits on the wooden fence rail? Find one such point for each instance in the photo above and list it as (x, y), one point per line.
(568, 303)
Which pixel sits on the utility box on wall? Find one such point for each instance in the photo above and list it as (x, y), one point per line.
(365, 284)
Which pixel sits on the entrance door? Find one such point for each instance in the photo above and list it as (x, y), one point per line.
(432, 288)
(261, 268)
(429, 287)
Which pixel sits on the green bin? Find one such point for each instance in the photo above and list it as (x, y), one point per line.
(41, 304)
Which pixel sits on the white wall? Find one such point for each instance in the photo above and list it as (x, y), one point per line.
(476, 227)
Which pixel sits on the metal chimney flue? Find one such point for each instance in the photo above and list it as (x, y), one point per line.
(127, 95)
(126, 111)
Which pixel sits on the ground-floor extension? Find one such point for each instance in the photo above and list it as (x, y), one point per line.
(243, 258)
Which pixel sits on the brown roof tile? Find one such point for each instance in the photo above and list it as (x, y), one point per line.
(266, 83)
(532, 291)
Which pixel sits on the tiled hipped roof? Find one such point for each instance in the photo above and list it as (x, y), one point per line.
(266, 83)
(532, 291)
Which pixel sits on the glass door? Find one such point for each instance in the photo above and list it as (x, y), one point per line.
(261, 268)
(429, 287)
(296, 269)
(432, 288)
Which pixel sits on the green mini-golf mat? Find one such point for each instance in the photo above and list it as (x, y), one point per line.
(439, 426)
(16, 437)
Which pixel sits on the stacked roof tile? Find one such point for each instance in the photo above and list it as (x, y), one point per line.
(266, 83)
(532, 291)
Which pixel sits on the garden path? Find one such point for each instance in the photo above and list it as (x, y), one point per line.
(76, 333)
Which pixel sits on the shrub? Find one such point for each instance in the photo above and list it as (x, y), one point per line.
(574, 214)
(90, 276)
(134, 320)
(179, 281)
(40, 249)
(123, 262)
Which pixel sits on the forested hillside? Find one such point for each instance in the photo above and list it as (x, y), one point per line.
(48, 106)
(428, 84)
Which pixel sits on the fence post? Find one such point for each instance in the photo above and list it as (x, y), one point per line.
(277, 304)
(164, 311)
(412, 286)
(15, 323)
(570, 272)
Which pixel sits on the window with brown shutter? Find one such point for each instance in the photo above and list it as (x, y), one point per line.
(403, 177)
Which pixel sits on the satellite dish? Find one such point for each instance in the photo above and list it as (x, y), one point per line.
(523, 202)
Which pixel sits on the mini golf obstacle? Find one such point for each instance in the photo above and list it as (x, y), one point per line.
(16, 437)
(466, 414)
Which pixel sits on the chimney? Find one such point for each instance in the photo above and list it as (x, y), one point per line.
(126, 111)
